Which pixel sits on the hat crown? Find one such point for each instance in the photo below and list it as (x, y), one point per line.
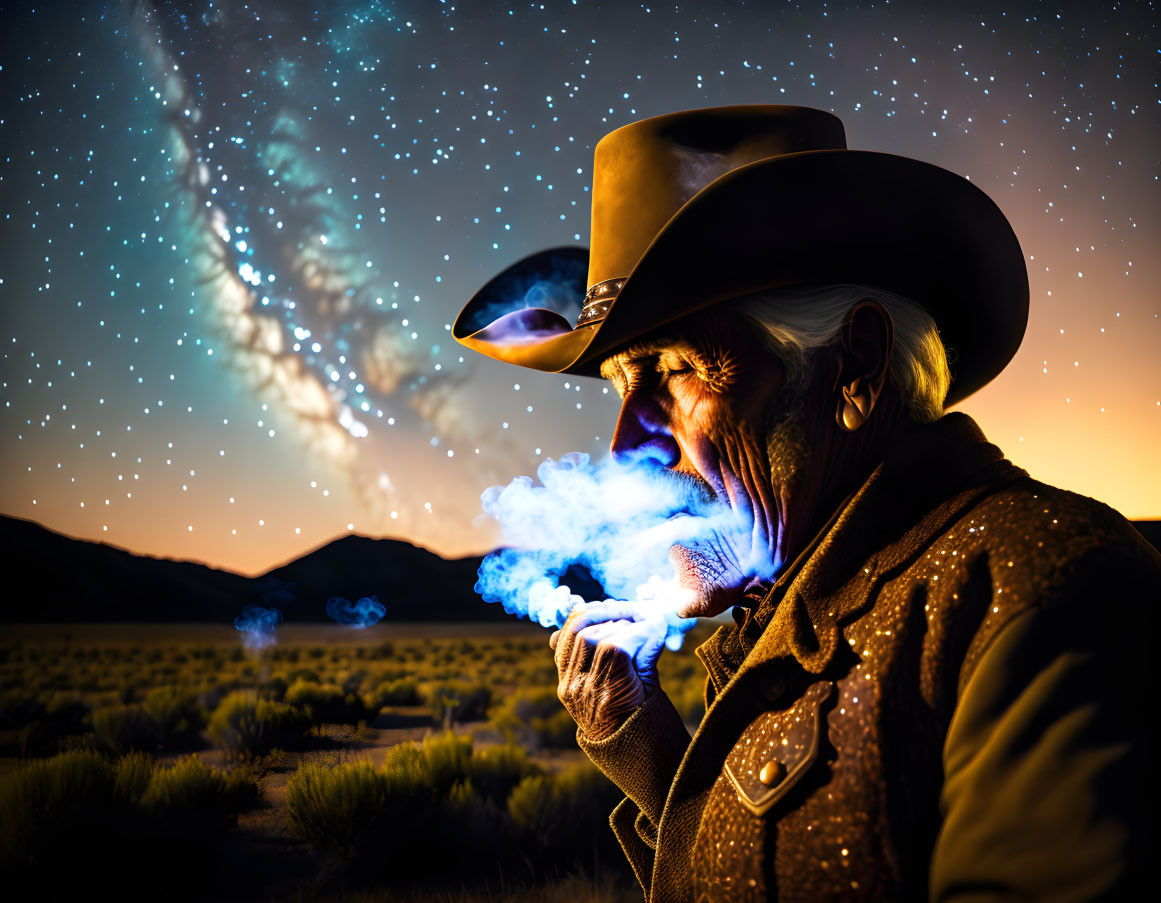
(644, 172)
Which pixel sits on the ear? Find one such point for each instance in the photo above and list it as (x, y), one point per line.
(864, 357)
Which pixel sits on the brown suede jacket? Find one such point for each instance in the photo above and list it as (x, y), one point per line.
(943, 699)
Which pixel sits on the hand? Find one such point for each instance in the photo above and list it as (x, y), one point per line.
(606, 662)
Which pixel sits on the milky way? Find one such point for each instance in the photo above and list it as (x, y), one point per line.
(235, 236)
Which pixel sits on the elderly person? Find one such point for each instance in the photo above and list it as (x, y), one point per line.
(931, 685)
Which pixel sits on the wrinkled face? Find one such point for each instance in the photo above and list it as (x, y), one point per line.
(709, 401)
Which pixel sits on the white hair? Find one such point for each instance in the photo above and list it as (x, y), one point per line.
(795, 322)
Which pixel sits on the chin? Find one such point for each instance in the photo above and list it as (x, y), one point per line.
(712, 581)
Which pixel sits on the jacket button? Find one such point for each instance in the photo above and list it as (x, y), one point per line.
(772, 773)
(773, 692)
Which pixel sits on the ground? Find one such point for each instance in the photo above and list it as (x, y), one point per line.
(351, 697)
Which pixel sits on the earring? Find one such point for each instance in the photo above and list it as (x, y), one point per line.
(852, 412)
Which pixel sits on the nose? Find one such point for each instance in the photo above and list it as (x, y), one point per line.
(643, 432)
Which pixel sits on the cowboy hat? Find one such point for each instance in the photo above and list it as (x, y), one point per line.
(698, 207)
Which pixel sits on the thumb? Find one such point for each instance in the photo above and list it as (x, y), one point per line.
(652, 643)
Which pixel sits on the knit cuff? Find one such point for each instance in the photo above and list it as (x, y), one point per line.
(639, 853)
(641, 757)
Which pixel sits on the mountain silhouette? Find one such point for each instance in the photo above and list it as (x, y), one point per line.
(54, 578)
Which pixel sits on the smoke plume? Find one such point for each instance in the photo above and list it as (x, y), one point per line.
(257, 625)
(356, 615)
(617, 521)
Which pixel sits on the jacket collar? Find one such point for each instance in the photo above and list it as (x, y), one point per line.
(920, 488)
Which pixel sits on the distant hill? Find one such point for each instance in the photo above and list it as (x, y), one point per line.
(54, 578)
(1151, 530)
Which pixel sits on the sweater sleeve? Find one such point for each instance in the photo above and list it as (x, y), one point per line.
(642, 755)
(1044, 761)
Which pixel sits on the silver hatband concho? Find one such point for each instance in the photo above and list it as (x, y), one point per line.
(598, 299)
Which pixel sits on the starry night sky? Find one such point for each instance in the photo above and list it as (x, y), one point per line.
(235, 236)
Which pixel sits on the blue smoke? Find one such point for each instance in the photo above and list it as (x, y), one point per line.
(618, 521)
(358, 615)
(257, 624)
(552, 280)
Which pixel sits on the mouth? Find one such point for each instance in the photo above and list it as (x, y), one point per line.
(695, 492)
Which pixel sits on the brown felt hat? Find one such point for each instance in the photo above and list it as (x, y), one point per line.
(695, 208)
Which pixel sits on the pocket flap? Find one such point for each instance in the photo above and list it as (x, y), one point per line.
(777, 749)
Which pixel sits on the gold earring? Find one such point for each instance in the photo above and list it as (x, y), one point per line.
(850, 414)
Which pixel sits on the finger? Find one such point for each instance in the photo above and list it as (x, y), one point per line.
(580, 672)
(626, 653)
(645, 659)
(595, 632)
(610, 660)
(585, 642)
(597, 612)
(564, 640)
(577, 685)
(642, 642)
(580, 618)
(553, 640)
(614, 678)
(612, 609)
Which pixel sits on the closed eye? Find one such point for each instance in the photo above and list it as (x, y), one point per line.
(672, 364)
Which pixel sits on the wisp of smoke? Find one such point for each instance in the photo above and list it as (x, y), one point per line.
(357, 615)
(257, 625)
(616, 520)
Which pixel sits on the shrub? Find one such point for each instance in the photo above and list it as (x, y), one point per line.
(384, 650)
(122, 728)
(556, 731)
(559, 811)
(416, 790)
(519, 707)
(537, 718)
(18, 708)
(458, 700)
(191, 784)
(68, 708)
(351, 681)
(495, 770)
(78, 819)
(34, 739)
(331, 805)
(406, 772)
(87, 742)
(133, 774)
(404, 817)
(51, 802)
(448, 758)
(171, 711)
(327, 701)
(688, 697)
(244, 725)
(403, 691)
(273, 687)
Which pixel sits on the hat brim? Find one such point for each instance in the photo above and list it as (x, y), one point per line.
(816, 217)
(505, 319)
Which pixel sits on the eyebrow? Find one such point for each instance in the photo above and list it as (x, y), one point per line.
(631, 354)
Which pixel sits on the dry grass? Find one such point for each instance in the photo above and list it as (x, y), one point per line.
(331, 725)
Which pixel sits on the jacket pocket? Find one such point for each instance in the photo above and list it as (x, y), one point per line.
(777, 750)
(734, 844)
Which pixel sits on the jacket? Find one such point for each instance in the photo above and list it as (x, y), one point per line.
(941, 699)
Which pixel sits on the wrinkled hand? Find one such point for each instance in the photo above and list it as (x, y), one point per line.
(606, 662)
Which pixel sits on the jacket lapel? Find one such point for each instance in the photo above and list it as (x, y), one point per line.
(916, 493)
(922, 487)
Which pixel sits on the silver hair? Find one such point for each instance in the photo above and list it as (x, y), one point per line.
(796, 322)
